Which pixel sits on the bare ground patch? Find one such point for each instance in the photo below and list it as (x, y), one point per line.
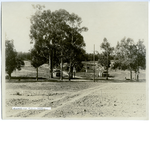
(77, 100)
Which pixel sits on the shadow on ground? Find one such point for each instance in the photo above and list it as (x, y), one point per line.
(97, 79)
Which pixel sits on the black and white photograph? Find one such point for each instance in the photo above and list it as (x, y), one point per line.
(75, 60)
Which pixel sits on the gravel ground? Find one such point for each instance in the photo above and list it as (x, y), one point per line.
(77, 100)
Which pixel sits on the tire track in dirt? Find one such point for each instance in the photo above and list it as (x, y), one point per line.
(67, 104)
(72, 98)
(60, 102)
(92, 91)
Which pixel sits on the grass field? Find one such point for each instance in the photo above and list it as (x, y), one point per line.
(28, 73)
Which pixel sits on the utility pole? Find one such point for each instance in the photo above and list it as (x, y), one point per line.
(61, 73)
(107, 65)
(49, 65)
(62, 47)
(51, 61)
(94, 62)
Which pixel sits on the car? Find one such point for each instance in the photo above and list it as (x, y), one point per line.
(56, 73)
(105, 73)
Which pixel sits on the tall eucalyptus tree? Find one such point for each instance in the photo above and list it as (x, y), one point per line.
(58, 33)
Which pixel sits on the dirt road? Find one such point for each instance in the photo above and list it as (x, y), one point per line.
(77, 100)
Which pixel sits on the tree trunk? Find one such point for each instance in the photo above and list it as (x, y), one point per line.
(138, 77)
(9, 76)
(107, 74)
(61, 75)
(107, 66)
(70, 71)
(74, 74)
(138, 74)
(50, 65)
(135, 75)
(130, 74)
(37, 74)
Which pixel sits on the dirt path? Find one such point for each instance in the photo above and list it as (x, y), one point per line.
(54, 103)
(102, 100)
(115, 100)
(69, 99)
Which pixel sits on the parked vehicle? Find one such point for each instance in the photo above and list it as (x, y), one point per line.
(104, 74)
(56, 73)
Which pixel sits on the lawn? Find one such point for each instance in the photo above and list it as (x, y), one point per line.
(28, 73)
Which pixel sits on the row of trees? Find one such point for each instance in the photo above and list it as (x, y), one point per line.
(57, 39)
(24, 55)
(127, 55)
(87, 56)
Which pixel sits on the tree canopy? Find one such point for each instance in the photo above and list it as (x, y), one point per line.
(58, 34)
(37, 60)
(13, 62)
(130, 56)
(105, 57)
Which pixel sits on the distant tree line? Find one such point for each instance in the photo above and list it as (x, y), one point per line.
(86, 56)
(24, 55)
(90, 56)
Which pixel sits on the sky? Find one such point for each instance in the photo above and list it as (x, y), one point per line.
(111, 20)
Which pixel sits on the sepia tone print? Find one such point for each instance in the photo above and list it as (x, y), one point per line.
(75, 60)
